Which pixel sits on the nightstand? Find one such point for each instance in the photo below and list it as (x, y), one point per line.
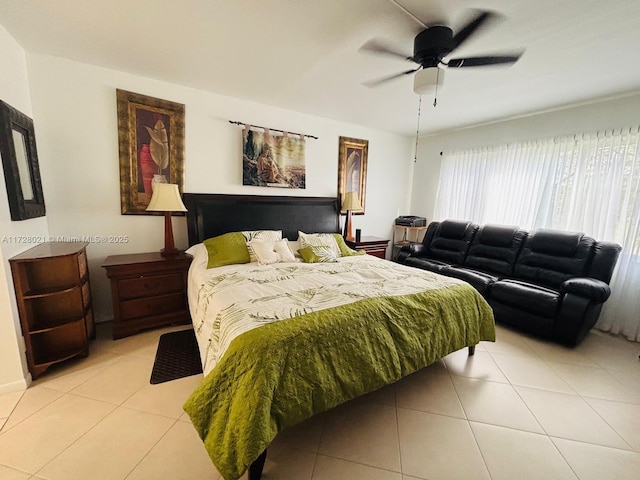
(147, 290)
(372, 245)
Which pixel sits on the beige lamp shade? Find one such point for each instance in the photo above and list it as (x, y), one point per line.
(166, 198)
(351, 201)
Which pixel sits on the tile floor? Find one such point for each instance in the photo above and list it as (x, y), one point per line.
(519, 409)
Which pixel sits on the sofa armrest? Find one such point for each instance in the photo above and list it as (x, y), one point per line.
(596, 290)
(410, 250)
(414, 249)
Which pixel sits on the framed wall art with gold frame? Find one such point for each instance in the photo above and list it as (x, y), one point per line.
(151, 146)
(352, 170)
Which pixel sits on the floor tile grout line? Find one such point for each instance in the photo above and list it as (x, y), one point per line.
(150, 449)
(81, 436)
(395, 409)
(44, 382)
(37, 411)
(529, 386)
(360, 463)
(2, 429)
(624, 387)
(475, 439)
(571, 439)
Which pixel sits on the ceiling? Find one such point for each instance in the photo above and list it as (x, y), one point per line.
(303, 55)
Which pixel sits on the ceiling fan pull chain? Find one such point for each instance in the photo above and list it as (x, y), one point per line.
(415, 156)
(435, 95)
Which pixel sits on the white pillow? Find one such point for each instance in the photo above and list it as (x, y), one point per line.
(319, 240)
(267, 251)
(199, 253)
(294, 246)
(249, 235)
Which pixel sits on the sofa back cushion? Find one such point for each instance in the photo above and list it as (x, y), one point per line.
(450, 240)
(495, 248)
(549, 257)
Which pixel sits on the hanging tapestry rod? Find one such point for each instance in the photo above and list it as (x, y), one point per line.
(273, 129)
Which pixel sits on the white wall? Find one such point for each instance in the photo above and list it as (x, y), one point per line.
(75, 108)
(14, 90)
(603, 115)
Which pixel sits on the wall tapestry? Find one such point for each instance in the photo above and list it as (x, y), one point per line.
(270, 160)
(151, 139)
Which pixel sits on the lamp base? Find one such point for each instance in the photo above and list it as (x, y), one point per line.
(169, 249)
(348, 232)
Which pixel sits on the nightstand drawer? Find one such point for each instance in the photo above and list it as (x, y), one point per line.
(150, 286)
(144, 307)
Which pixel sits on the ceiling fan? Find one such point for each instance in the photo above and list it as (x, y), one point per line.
(431, 49)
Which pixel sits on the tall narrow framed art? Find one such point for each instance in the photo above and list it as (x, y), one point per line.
(352, 170)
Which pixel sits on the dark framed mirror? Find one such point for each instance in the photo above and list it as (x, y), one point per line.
(20, 164)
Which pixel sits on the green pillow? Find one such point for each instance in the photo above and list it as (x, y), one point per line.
(345, 251)
(227, 249)
(318, 254)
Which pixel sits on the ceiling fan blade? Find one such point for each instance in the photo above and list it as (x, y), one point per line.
(471, 27)
(482, 61)
(377, 46)
(379, 81)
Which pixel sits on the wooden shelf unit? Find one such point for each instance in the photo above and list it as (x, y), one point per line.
(405, 235)
(53, 295)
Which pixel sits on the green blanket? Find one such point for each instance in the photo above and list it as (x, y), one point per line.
(282, 373)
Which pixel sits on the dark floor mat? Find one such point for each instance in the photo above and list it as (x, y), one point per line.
(177, 357)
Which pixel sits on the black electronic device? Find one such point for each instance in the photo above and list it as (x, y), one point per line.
(411, 221)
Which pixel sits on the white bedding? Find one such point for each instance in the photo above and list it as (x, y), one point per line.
(227, 301)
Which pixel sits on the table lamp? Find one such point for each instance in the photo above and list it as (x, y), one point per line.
(350, 202)
(166, 198)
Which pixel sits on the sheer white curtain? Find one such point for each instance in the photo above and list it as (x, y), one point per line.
(588, 183)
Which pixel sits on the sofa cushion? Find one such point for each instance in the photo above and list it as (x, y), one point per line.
(526, 296)
(495, 249)
(481, 281)
(544, 262)
(497, 235)
(453, 229)
(555, 242)
(426, 264)
(450, 240)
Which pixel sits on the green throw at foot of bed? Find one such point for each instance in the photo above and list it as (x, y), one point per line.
(282, 373)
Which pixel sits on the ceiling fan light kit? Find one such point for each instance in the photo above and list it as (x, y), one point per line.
(427, 80)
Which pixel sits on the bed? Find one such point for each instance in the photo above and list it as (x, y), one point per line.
(282, 342)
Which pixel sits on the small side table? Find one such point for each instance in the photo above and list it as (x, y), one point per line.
(147, 290)
(372, 245)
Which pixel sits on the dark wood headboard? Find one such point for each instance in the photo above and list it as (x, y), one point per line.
(209, 215)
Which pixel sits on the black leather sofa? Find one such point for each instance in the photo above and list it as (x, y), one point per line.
(549, 283)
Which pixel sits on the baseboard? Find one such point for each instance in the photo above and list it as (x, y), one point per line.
(16, 386)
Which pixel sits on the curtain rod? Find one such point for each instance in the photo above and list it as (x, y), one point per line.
(273, 129)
